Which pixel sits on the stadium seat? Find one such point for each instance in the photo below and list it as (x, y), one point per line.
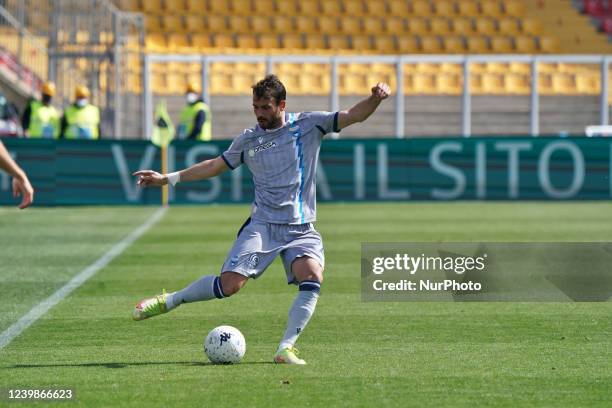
(509, 26)
(268, 41)
(261, 24)
(501, 45)
(493, 84)
(520, 68)
(373, 25)
(152, 23)
(496, 68)
(155, 42)
(491, 8)
(338, 42)
(194, 23)
(545, 84)
(201, 41)
(220, 83)
(309, 8)
(463, 26)
(283, 24)
(485, 26)
(531, 26)
(172, 23)
(288, 8)
(525, 44)
(430, 44)
(246, 41)
(328, 25)
(440, 26)
(306, 25)
(315, 41)
(407, 44)
(354, 8)
(239, 24)
(588, 83)
(242, 7)
(423, 84)
(445, 8)
(385, 44)
(264, 7)
(178, 42)
(398, 8)
(563, 84)
(196, 6)
(477, 45)
(216, 24)
(292, 41)
(224, 41)
(350, 25)
(418, 26)
(514, 8)
(468, 8)
(517, 84)
(219, 7)
(395, 25)
(453, 44)
(549, 44)
(153, 7)
(351, 84)
(331, 8)
(361, 43)
(128, 5)
(422, 8)
(448, 84)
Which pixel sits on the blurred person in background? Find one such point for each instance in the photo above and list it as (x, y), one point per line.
(81, 120)
(40, 119)
(195, 119)
(21, 184)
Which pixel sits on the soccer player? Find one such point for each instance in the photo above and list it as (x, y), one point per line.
(21, 184)
(281, 152)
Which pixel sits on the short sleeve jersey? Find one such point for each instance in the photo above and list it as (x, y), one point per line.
(283, 163)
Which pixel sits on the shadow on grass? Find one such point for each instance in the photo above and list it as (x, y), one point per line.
(135, 364)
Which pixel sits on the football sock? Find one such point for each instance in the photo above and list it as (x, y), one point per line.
(302, 309)
(205, 288)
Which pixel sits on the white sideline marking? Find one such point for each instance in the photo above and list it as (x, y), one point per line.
(43, 307)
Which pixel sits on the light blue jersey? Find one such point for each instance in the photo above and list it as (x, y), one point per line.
(284, 163)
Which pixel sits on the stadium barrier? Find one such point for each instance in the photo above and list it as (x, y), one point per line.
(493, 168)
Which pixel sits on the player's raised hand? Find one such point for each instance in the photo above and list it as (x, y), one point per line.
(381, 91)
(150, 178)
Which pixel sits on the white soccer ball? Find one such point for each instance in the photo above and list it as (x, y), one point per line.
(225, 345)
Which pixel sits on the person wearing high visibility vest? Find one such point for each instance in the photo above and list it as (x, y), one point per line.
(195, 119)
(40, 119)
(81, 120)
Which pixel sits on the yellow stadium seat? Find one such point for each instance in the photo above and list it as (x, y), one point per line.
(219, 7)
(514, 8)
(587, 83)
(549, 44)
(453, 44)
(178, 42)
(525, 44)
(485, 26)
(399, 8)
(155, 42)
(329, 25)
(493, 83)
(422, 8)
(502, 45)
(338, 42)
(563, 84)
(331, 8)
(194, 23)
(220, 83)
(427, 68)
(440, 26)
(430, 44)
(288, 8)
(476, 84)
(314, 84)
(283, 24)
(269, 41)
(445, 8)
(216, 24)
(152, 23)
(449, 84)
(82, 37)
(491, 8)
(152, 6)
(239, 24)
(547, 68)
(477, 45)
(196, 6)
(468, 8)
(424, 84)
(292, 41)
(418, 26)
(241, 82)
(315, 41)
(463, 26)
(373, 25)
(407, 44)
(509, 26)
(291, 82)
(384, 44)
(350, 25)
(158, 81)
(264, 7)
(128, 5)
(351, 84)
(354, 8)
(310, 8)
(306, 24)
(531, 26)
(395, 25)
(361, 43)
(520, 68)
(545, 86)
(517, 84)
(224, 41)
(241, 7)
(246, 41)
(172, 23)
(496, 68)
(261, 24)
(201, 41)
(176, 82)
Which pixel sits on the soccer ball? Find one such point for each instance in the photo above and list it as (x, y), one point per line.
(225, 345)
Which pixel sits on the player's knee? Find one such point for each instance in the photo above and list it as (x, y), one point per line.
(231, 282)
(307, 269)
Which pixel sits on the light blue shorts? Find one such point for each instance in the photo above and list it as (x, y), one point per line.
(258, 243)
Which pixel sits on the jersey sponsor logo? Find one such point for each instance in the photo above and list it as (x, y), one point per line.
(263, 147)
(253, 261)
(260, 139)
(234, 261)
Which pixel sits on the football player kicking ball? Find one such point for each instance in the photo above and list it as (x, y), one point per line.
(281, 152)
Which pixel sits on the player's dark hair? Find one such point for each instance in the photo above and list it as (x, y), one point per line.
(270, 87)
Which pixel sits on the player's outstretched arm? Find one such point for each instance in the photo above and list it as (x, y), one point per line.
(200, 171)
(362, 110)
(21, 184)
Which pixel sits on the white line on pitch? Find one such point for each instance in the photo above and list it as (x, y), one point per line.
(43, 307)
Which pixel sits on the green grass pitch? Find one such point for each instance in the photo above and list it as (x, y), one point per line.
(359, 354)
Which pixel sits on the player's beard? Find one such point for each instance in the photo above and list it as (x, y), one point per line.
(272, 123)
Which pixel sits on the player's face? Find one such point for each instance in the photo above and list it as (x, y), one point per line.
(268, 113)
